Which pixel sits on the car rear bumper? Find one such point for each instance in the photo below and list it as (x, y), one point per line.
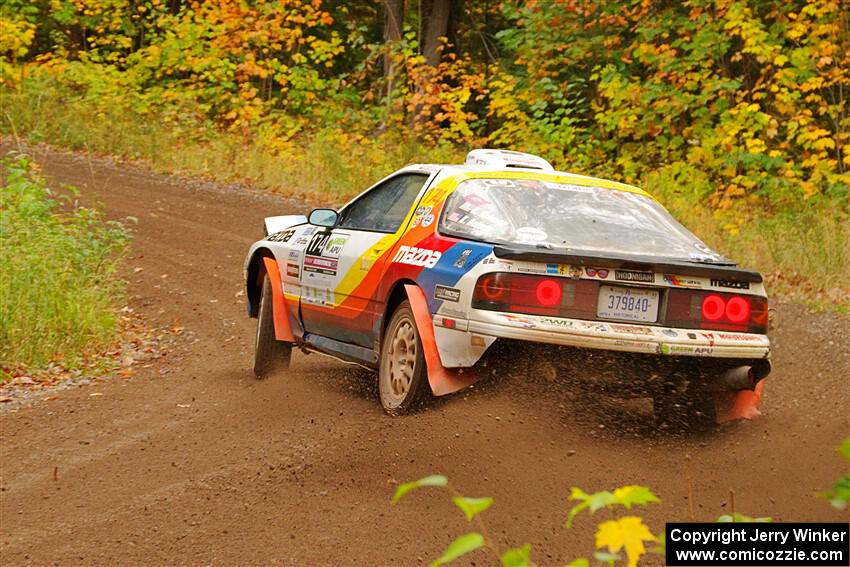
(621, 337)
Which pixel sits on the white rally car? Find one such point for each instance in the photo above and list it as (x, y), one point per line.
(437, 267)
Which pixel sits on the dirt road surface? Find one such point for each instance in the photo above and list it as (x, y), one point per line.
(194, 462)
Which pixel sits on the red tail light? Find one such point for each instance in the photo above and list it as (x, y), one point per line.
(721, 311)
(490, 288)
(738, 309)
(536, 295)
(713, 307)
(549, 292)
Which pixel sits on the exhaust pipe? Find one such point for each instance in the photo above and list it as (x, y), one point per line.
(743, 377)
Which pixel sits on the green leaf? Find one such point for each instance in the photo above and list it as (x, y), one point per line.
(460, 547)
(626, 496)
(632, 495)
(844, 449)
(433, 480)
(839, 496)
(516, 557)
(472, 506)
(580, 562)
(605, 557)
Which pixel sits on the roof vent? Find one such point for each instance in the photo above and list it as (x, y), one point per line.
(505, 159)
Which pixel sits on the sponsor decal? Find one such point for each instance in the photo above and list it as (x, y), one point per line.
(447, 293)
(569, 187)
(730, 284)
(519, 320)
(334, 245)
(301, 240)
(318, 296)
(424, 257)
(292, 270)
(415, 222)
(575, 272)
(598, 327)
(739, 337)
(282, 236)
(318, 243)
(309, 231)
(530, 234)
(461, 261)
(633, 276)
(295, 255)
(672, 333)
(710, 338)
(636, 344)
(427, 220)
(600, 273)
(530, 269)
(684, 349)
(559, 269)
(630, 329)
(319, 265)
(679, 281)
(566, 323)
(692, 336)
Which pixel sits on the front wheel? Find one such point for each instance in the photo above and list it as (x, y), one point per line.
(270, 354)
(403, 376)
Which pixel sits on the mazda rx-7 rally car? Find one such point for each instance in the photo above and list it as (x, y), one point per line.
(428, 272)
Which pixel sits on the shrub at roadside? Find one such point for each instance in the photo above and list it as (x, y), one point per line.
(58, 288)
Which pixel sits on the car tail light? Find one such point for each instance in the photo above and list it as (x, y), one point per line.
(537, 295)
(548, 292)
(721, 311)
(713, 307)
(738, 309)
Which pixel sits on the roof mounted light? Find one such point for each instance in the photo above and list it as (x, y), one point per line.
(505, 159)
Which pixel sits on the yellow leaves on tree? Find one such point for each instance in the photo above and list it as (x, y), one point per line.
(629, 533)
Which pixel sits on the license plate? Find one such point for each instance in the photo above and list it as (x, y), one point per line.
(627, 304)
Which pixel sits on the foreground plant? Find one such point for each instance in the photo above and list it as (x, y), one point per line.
(58, 293)
(628, 533)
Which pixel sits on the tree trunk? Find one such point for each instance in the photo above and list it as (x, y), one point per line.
(436, 26)
(393, 20)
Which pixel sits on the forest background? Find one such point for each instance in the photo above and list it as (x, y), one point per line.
(735, 114)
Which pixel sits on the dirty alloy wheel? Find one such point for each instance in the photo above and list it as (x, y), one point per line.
(270, 354)
(402, 377)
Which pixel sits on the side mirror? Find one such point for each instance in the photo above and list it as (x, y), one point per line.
(323, 217)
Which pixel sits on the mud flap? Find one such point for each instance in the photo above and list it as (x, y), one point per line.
(282, 329)
(442, 380)
(738, 405)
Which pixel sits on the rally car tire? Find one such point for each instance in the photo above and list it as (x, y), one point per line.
(402, 375)
(270, 354)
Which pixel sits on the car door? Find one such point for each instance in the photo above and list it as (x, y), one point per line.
(343, 265)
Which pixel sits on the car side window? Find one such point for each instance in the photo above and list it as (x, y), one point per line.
(383, 208)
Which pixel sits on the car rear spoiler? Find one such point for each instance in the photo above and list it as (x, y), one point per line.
(729, 272)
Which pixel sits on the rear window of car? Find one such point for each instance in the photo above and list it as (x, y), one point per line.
(578, 218)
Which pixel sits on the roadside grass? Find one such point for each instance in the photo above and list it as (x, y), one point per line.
(58, 290)
(802, 250)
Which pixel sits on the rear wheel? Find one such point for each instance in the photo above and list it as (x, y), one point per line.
(402, 377)
(270, 354)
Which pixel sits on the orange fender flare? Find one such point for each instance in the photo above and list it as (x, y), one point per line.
(442, 380)
(738, 405)
(282, 329)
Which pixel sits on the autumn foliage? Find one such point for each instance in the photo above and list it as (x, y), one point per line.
(746, 104)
